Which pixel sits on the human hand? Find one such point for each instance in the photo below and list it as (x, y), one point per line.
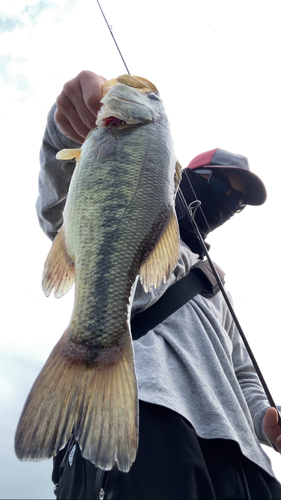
(78, 105)
(272, 428)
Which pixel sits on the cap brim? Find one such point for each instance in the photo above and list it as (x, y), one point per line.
(256, 191)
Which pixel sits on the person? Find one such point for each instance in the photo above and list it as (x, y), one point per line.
(203, 412)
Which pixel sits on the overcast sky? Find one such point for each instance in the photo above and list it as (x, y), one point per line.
(216, 65)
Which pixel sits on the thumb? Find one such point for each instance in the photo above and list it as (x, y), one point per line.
(272, 428)
(271, 417)
(91, 87)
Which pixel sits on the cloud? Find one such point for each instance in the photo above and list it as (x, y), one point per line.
(41, 11)
(9, 24)
(32, 13)
(28, 17)
(9, 71)
(22, 28)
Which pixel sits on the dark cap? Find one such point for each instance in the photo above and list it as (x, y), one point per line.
(221, 159)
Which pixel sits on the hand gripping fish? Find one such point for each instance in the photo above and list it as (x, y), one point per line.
(119, 223)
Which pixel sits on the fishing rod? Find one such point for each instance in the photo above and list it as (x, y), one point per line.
(190, 210)
(111, 32)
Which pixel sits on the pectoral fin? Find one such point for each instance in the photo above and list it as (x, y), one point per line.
(163, 258)
(69, 154)
(177, 176)
(58, 271)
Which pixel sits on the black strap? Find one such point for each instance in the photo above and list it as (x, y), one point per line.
(105, 482)
(199, 280)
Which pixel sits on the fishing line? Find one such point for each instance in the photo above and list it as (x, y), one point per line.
(190, 210)
(110, 30)
(198, 202)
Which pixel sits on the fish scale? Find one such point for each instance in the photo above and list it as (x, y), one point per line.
(131, 208)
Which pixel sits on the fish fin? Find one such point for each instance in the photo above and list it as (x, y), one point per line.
(138, 82)
(108, 85)
(59, 272)
(161, 261)
(141, 84)
(99, 402)
(177, 177)
(69, 154)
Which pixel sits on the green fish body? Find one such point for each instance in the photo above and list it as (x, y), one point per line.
(119, 223)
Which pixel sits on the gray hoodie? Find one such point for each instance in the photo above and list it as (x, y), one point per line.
(194, 362)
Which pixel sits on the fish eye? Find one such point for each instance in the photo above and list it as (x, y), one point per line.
(154, 96)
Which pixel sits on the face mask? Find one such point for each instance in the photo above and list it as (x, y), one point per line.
(215, 207)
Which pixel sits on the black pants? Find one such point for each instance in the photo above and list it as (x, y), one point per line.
(172, 463)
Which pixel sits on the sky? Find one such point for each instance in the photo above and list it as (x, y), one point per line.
(216, 65)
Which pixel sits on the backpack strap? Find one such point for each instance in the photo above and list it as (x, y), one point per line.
(200, 279)
(212, 288)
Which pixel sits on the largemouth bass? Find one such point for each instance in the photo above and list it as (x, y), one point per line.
(119, 223)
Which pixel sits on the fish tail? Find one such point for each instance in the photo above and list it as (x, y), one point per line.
(98, 402)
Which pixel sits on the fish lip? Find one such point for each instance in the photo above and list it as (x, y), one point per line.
(102, 122)
(108, 124)
(108, 112)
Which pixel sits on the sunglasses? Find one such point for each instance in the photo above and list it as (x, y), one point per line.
(221, 185)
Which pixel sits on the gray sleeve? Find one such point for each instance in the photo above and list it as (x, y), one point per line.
(250, 384)
(54, 177)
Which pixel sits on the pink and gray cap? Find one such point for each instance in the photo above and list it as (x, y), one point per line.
(221, 159)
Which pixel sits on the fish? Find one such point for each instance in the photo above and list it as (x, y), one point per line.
(119, 226)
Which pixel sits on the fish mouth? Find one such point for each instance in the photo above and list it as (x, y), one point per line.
(112, 121)
(109, 117)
